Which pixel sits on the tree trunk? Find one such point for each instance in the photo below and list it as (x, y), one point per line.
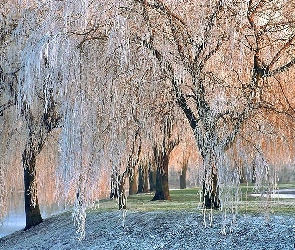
(146, 179)
(118, 189)
(253, 173)
(182, 179)
(32, 210)
(133, 182)
(143, 179)
(152, 180)
(211, 193)
(114, 193)
(38, 132)
(122, 196)
(140, 179)
(162, 187)
(243, 177)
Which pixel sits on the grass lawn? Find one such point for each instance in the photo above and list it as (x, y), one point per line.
(189, 200)
(176, 224)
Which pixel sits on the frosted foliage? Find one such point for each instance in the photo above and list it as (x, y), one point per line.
(79, 217)
(115, 71)
(119, 43)
(10, 161)
(2, 193)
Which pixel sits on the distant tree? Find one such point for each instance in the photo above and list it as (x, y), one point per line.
(183, 173)
(143, 178)
(152, 178)
(161, 158)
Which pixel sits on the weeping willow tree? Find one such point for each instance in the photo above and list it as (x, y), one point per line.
(92, 72)
(223, 60)
(68, 70)
(48, 92)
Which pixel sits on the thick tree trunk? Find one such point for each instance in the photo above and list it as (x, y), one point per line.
(38, 132)
(32, 210)
(211, 193)
(162, 187)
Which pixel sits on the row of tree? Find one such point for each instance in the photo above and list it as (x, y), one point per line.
(113, 85)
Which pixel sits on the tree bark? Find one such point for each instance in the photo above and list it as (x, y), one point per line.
(182, 178)
(32, 210)
(122, 196)
(133, 183)
(162, 187)
(141, 180)
(211, 193)
(253, 180)
(118, 189)
(152, 179)
(146, 179)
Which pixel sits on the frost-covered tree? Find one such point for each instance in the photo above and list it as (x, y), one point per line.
(99, 69)
(38, 122)
(74, 69)
(216, 76)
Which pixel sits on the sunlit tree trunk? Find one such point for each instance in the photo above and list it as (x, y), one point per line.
(133, 183)
(146, 179)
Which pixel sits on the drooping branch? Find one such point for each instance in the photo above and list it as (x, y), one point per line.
(281, 69)
(281, 50)
(6, 106)
(181, 101)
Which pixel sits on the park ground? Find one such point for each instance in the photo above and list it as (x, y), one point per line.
(176, 224)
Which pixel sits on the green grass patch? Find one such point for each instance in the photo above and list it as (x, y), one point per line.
(189, 200)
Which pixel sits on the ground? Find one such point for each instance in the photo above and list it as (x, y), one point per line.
(157, 230)
(176, 224)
